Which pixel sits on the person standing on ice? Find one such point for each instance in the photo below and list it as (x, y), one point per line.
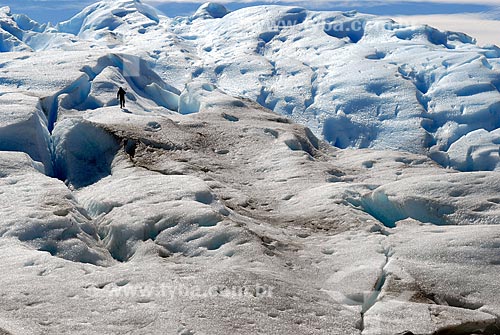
(121, 95)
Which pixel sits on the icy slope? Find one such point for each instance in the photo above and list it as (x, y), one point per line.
(356, 80)
(194, 211)
(186, 211)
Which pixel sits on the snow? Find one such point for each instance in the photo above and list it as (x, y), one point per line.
(203, 208)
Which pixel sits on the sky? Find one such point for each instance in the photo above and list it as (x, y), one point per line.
(478, 18)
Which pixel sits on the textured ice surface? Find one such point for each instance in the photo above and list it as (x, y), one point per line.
(195, 210)
(191, 207)
(385, 87)
(42, 212)
(356, 80)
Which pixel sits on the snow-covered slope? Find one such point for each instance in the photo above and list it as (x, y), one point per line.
(235, 220)
(356, 80)
(198, 210)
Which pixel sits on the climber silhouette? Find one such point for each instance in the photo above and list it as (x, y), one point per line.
(121, 95)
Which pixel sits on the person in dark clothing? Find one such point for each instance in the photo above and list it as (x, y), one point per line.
(121, 95)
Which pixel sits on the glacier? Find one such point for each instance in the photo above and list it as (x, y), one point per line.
(356, 80)
(276, 171)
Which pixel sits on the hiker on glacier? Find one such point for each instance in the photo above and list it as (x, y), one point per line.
(121, 95)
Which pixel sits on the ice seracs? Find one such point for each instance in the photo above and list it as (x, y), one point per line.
(356, 80)
(198, 210)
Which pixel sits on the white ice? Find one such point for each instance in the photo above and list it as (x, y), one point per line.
(143, 219)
